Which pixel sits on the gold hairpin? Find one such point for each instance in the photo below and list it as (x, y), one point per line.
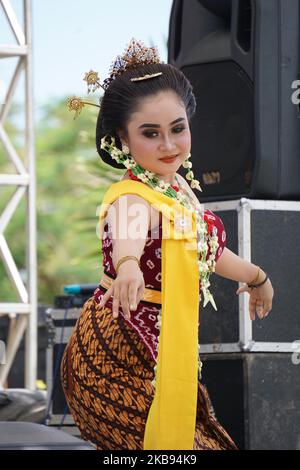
(145, 77)
(93, 81)
(76, 104)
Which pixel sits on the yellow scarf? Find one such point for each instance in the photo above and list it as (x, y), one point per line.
(171, 420)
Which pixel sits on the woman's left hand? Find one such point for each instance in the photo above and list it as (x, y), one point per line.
(260, 299)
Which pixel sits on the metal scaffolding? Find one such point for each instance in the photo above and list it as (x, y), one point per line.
(23, 315)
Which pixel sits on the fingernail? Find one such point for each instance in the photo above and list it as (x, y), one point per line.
(133, 307)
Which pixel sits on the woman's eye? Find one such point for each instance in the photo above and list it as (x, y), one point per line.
(150, 134)
(178, 129)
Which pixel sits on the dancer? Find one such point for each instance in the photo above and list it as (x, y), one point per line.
(131, 371)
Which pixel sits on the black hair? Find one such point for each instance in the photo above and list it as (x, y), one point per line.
(123, 96)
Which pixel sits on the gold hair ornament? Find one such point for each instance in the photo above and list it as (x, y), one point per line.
(145, 77)
(76, 104)
(93, 81)
(135, 54)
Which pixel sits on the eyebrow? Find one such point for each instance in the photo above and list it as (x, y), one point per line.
(157, 125)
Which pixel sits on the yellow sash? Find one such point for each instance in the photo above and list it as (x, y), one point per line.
(171, 420)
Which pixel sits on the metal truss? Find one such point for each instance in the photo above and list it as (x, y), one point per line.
(23, 315)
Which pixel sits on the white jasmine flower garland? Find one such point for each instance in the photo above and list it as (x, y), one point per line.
(206, 267)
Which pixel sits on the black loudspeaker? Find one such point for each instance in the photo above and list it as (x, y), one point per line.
(16, 375)
(242, 58)
(271, 236)
(256, 398)
(31, 436)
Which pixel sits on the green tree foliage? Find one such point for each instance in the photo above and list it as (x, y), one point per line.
(71, 181)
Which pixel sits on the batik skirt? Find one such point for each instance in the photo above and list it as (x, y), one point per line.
(106, 374)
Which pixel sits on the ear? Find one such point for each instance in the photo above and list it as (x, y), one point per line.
(123, 137)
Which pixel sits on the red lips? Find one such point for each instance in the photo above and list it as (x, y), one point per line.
(168, 157)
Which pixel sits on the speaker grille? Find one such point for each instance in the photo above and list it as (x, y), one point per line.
(223, 147)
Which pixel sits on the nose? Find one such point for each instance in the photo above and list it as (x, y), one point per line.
(167, 144)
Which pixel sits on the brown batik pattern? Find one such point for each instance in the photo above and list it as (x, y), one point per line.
(106, 375)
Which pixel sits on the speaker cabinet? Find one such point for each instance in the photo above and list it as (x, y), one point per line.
(20, 435)
(265, 233)
(256, 398)
(242, 58)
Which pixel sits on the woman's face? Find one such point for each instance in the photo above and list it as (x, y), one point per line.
(159, 128)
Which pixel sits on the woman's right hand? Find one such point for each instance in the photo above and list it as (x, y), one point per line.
(127, 289)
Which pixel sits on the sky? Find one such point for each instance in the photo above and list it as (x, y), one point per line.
(71, 37)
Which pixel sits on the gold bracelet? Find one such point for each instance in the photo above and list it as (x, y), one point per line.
(260, 284)
(256, 277)
(125, 258)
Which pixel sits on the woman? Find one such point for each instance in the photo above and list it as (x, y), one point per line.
(131, 371)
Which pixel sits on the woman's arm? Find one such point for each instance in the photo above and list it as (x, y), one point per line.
(231, 266)
(129, 219)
